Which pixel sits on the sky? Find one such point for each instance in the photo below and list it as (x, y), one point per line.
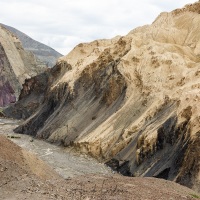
(62, 24)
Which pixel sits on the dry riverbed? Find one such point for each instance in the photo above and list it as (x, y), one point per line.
(65, 161)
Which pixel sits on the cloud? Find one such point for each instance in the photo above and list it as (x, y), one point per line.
(62, 24)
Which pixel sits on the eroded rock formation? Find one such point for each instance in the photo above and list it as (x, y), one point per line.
(131, 101)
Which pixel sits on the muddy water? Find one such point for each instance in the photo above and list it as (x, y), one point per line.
(65, 161)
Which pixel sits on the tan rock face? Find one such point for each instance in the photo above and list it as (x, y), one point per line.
(133, 101)
(16, 65)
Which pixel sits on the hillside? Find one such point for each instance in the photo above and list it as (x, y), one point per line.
(44, 53)
(22, 173)
(16, 65)
(131, 101)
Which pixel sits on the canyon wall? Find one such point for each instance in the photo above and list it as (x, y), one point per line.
(132, 101)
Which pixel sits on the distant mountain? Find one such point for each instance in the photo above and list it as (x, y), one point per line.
(43, 52)
(16, 65)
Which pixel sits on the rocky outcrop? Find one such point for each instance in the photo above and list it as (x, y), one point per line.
(34, 92)
(44, 53)
(131, 101)
(15, 66)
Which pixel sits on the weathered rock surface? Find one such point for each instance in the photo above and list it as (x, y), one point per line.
(132, 101)
(34, 92)
(16, 65)
(42, 52)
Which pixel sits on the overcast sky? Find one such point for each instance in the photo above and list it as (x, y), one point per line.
(62, 24)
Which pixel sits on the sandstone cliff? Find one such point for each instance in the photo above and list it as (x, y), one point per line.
(16, 65)
(131, 101)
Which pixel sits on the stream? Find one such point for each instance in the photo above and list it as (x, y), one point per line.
(63, 160)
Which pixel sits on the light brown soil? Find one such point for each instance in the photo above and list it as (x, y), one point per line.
(23, 176)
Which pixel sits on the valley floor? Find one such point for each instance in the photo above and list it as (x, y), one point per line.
(84, 177)
(65, 161)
